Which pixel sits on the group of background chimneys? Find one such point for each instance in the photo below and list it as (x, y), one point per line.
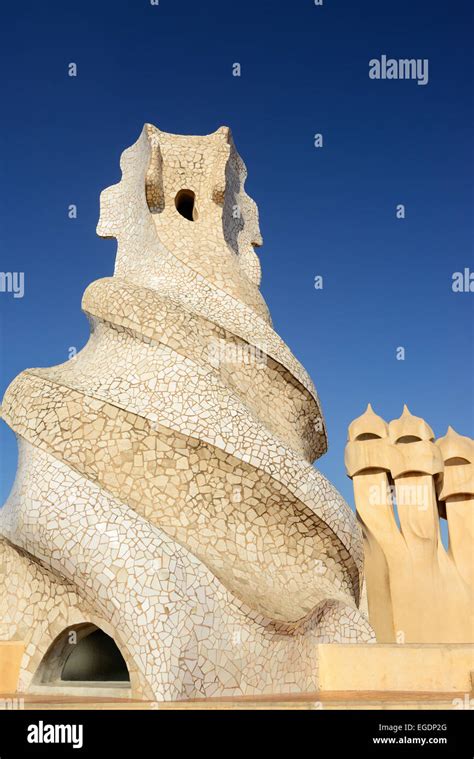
(404, 481)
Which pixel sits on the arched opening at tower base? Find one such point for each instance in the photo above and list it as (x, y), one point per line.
(83, 656)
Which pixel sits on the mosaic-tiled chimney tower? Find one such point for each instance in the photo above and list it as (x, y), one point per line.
(165, 491)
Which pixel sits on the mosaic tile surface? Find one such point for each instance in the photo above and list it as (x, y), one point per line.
(165, 488)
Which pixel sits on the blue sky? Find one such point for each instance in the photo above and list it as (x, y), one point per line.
(328, 211)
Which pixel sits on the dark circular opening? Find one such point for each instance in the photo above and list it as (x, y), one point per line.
(185, 206)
